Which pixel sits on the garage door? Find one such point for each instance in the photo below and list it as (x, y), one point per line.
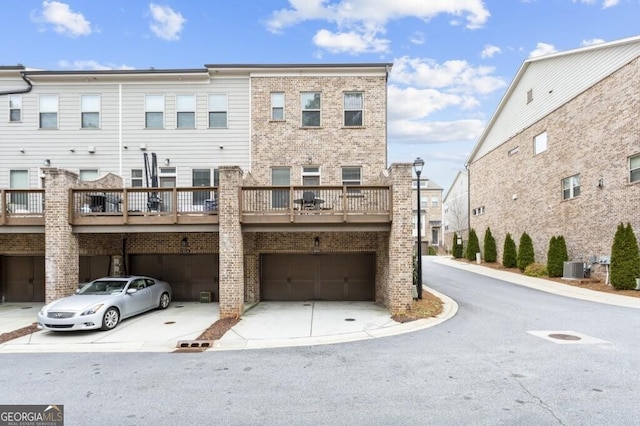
(23, 278)
(297, 277)
(187, 274)
(94, 267)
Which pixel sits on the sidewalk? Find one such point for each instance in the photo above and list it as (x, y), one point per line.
(543, 284)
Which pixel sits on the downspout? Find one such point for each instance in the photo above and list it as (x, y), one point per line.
(466, 166)
(17, 92)
(120, 134)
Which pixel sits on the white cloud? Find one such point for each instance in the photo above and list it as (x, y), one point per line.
(490, 51)
(368, 18)
(456, 76)
(350, 42)
(432, 132)
(411, 103)
(63, 19)
(605, 4)
(90, 65)
(417, 38)
(167, 24)
(542, 49)
(592, 41)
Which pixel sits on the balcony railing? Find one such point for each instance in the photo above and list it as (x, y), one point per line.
(315, 204)
(140, 206)
(22, 207)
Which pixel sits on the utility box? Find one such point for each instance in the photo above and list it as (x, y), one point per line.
(573, 270)
(205, 297)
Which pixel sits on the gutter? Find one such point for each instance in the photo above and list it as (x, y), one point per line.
(16, 92)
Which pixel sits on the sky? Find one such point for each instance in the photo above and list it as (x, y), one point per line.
(453, 60)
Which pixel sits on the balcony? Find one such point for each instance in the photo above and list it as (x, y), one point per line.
(144, 206)
(315, 204)
(22, 207)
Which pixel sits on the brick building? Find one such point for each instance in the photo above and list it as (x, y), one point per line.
(561, 154)
(246, 182)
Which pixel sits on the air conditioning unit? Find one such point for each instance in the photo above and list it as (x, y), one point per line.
(573, 270)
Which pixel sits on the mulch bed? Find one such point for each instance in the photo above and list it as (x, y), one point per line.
(5, 337)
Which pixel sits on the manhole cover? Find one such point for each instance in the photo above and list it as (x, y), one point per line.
(179, 306)
(170, 322)
(564, 336)
(307, 304)
(26, 307)
(349, 319)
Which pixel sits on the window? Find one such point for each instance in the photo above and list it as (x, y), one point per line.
(201, 177)
(280, 197)
(310, 105)
(48, 111)
(154, 111)
(351, 176)
(514, 151)
(277, 106)
(136, 178)
(19, 179)
(434, 201)
(186, 111)
(353, 109)
(540, 143)
(424, 204)
(529, 96)
(423, 183)
(634, 168)
(218, 104)
(15, 108)
(88, 174)
(478, 211)
(570, 187)
(90, 111)
(311, 175)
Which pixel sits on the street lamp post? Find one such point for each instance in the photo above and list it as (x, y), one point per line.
(418, 164)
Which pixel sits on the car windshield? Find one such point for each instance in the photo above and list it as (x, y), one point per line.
(103, 287)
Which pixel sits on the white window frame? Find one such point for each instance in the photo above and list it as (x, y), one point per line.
(137, 178)
(303, 109)
(435, 202)
(634, 168)
(540, 143)
(83, 172)
(277, 104)
(151, 107)
(15, 104)
(571, 187)
(350, 109)
(90, 109)
(186, 104)
(280, 197)
(311, 172)
(214, 107)
(349, 180)
(45, 107)
(19, 179)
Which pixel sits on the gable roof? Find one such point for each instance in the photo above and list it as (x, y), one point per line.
(544, 83)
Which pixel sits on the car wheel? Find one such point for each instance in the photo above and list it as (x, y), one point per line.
(164, 301)
(110, 319)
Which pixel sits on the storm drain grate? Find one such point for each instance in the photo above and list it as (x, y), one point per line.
(195, 344)
(561, 336)
(349, 319)
(566, 337)
(170, 322)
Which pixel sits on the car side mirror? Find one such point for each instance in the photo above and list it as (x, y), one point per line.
(77, 290)
(131, 290)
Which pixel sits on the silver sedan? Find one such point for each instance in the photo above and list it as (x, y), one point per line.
(103, 303)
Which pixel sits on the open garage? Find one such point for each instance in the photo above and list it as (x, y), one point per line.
(334, 276)
(188, 274)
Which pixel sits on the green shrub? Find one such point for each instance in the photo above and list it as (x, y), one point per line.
(625, 259)
(490, 250)
(509, 255)
(473, 246)
(457, 249)
(536, 270)
(432, 251)
(526, 255)
(556, 256)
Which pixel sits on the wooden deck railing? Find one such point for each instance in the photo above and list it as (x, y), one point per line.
(322, 204)
(22, 207)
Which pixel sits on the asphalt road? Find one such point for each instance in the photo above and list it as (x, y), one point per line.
(482, 367)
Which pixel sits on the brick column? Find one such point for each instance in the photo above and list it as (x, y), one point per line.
(61, 264)
(231, 244)
(400, 276)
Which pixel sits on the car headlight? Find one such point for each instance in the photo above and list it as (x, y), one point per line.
(92, 310)
(44, 309)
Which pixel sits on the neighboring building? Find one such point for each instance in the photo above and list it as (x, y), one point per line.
(456, 210)
(430, 214)
(561, 154)
(227, 180)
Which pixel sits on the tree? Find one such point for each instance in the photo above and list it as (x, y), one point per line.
(556, 256)
(473, 246)
(490, 249)
(509, 255)
(526, 255)
(456, 250)
(625, 259)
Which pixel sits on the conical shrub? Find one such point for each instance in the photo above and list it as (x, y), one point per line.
(509, 254)
(526, 255)
(625, 259)
(490, 249)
